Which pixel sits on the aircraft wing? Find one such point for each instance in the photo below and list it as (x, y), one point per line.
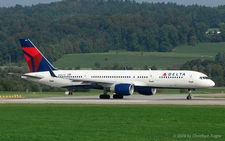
(96, 81)
(106, 82)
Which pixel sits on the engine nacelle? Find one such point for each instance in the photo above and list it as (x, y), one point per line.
(122, 89)
(147, 91)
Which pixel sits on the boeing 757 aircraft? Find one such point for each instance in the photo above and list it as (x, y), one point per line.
(121, 82)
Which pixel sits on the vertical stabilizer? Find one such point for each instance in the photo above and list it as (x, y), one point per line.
(36, 61)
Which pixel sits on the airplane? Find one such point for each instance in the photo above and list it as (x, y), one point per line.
(121, 82)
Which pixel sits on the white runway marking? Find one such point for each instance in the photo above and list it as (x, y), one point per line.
(173, 99)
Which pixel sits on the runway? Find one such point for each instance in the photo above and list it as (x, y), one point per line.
(158, 99)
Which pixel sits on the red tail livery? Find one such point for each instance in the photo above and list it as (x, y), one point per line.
(34, 58)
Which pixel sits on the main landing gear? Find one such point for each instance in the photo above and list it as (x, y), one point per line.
(69, 93)
(104, 95)
(107, 96)
(189, 96)
(117, 96)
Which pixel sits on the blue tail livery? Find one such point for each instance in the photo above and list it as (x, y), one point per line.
(34, 58)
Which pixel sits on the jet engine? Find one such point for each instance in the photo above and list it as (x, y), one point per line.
(124, 89)
(147, 91)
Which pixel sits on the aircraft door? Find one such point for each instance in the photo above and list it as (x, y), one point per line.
(191, 79)
(151, 78)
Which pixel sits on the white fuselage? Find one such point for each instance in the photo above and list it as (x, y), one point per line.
(106, 78)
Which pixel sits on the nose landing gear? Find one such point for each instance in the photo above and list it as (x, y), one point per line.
(189, 96)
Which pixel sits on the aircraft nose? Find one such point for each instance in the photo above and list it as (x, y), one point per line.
(211, 83)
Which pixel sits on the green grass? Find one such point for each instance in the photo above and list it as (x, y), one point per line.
(29, 122)
(204, 49)
(161, 60)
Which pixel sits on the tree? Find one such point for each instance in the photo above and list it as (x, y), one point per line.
(193, 40)
(220, 59)
(222, 30)
(97, 65)
(84, 47)
(153, 67)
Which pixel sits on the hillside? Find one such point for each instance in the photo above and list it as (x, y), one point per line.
(174, 59)
(87, 26)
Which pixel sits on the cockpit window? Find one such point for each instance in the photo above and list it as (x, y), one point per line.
(204, 77)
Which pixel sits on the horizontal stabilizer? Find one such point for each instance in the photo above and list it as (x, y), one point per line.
(31, 76)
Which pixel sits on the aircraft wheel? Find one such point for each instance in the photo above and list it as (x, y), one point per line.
(189, 97)
(117, 96)
(104, 96)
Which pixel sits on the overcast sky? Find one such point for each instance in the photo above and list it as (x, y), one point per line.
(7, 3)
(190, 2)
